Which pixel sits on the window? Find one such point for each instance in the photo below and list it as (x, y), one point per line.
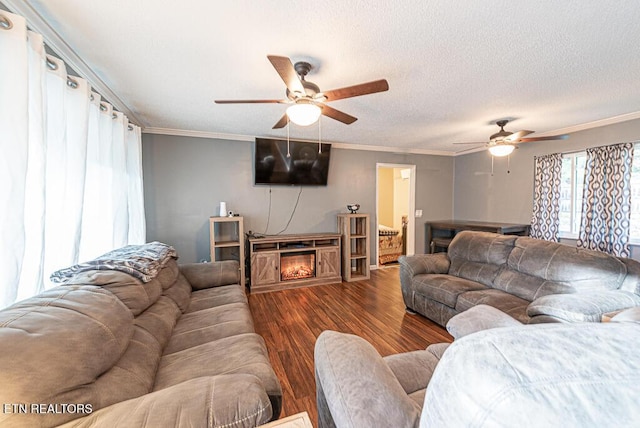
(571, 186)
(571, 193)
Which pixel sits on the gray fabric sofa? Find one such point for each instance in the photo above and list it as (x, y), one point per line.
(106, 349)
(531, 280)
(573, 375)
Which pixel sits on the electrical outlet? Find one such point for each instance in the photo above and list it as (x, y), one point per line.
(418, 213)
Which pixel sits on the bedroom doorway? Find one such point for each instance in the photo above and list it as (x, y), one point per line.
(395, 205)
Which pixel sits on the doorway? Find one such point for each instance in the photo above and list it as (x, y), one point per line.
(395, 205)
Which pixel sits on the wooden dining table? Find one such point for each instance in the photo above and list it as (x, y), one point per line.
(438, 234)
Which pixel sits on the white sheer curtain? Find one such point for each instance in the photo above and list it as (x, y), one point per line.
(70, 167)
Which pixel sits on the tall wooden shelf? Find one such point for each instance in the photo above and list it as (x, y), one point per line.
(354, 229)
(226, 236)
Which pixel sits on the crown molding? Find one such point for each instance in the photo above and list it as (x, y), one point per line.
(240, 137)
(481, 148)
(197, 134)
(590, 125)
(388, 149)
(38, 24)
(394, 150)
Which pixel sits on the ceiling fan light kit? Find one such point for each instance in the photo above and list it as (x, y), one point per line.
(502, 143)
(308, 103)
(500, 150)
(304, 114)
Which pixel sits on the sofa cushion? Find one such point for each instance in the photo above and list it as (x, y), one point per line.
(479, 318)
(479, 256)
(168, 274)
(159, 320)
(217, 401)
(134, 373)
(507, 303)
(206, 325)
(412, 369)
(577, 268)
(134, 293)
(217, 296)
(243, 353)
(529, 287)
(444, 289)
(180, 293)
(56, 344)
(207, 275)
(589, 306)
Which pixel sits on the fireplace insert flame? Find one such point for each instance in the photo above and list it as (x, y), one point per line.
(297, 266)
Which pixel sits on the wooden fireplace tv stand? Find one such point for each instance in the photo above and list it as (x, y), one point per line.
(288, 261)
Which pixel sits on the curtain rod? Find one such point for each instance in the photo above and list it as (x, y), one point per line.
(573, 152)
(6, 24)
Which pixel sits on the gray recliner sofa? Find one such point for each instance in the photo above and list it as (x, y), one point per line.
(108, 349)
(573, 375)
(530, 279)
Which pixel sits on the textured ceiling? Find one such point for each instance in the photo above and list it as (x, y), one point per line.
(453, 67)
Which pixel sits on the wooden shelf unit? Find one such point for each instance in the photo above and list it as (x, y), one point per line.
(354, 229)
(266, 253)
(226, 237)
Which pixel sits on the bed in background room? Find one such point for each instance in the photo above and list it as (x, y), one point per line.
(389, 244)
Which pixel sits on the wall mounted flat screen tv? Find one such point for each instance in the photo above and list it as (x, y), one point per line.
(306, 165)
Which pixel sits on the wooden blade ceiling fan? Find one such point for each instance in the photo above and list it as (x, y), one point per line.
(306, 99)
(502, 143)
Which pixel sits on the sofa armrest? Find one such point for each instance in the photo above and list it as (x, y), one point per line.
(237, 400)
(411, 266)
(478, 318)
(214, 274)
(356, 388)
(424, 263)
(582, 307)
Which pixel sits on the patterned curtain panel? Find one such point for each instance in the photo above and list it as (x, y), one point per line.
(545, 222)
(606, 203)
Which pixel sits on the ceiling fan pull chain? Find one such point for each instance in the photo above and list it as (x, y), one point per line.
(320, 134)
(508, 164)
(492, 165)
(288, 126)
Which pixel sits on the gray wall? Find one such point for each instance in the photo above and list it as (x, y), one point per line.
(509, 197)
(185, 179)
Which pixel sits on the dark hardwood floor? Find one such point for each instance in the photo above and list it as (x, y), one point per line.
(291, 320)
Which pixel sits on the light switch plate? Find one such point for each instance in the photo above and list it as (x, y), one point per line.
(418, 213)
